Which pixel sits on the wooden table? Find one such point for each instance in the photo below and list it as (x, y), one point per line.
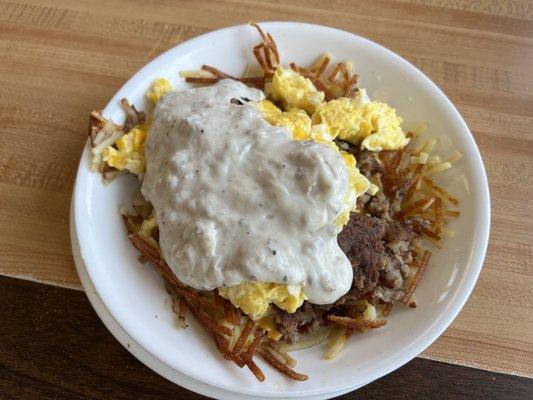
(61, 59)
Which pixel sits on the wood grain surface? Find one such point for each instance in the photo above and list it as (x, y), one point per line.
(60, 59)
(62, 351)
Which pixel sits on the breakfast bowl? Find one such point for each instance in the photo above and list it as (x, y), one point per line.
(132, 299)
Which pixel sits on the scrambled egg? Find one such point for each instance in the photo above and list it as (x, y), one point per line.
(254, 298)
(296, 120)
(268, 324)
(294, 90)
(159, 88)
(129, 153)
(373, 125)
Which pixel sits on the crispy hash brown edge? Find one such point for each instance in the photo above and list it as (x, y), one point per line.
(220, 319)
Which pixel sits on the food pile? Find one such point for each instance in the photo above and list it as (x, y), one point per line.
(392, 209)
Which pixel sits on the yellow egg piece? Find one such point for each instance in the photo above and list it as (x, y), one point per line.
(294, 90)
(129, 151)
(373, 125)
(159, 88)
(268, 324)
(388, 137)
(320, 133)
(254, 298)
(298, 122)
(357, 185)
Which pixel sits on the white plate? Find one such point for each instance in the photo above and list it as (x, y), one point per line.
(134, 295)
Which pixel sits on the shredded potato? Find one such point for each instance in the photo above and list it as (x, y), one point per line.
(338, 339)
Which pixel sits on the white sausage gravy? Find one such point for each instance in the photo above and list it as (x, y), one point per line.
(237, 200)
